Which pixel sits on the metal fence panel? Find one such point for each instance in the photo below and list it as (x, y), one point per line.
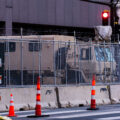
(58, 62)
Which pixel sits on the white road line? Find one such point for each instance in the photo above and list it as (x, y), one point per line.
(86, 114)
(110, 118)
(3, 113)
(65, 111)
(56, 112)
(21, 116)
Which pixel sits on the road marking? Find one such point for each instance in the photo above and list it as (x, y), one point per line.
(65, 111)
(86, 114)
(3, 113)
(56, 112)
(109, 118)
(21, 116)
(17, 112)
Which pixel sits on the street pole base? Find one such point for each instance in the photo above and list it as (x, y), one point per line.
(92, 108)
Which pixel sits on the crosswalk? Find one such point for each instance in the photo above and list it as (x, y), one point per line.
(72, 114)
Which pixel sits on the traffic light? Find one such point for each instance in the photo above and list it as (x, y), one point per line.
(105, 16)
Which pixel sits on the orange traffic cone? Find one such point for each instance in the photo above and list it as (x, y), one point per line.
(93, 101)
(11, 108)
(38, 99)
(38, 102)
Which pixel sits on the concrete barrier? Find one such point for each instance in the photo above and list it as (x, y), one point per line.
(114, 93)
(77, 96)
(51, 97)
(25, 98)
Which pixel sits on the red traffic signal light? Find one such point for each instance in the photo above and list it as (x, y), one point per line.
(105, 16)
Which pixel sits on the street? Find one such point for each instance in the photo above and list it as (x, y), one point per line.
(106, 112)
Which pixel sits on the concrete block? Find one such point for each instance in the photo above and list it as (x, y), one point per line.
(74, 96)
(48, 97)
(81, 95)
(25, 98)
(114, 91)
(102, 95)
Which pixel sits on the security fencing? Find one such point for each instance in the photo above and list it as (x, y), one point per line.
(58, 62)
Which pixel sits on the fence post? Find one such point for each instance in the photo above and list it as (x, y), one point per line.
(75, 56)
(40, 45)
(54, 62)
(21, 45)
(9, 61)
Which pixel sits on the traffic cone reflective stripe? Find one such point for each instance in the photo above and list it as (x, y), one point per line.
(11, 108)
(38, 99)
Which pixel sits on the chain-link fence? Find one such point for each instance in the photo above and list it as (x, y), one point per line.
(58, 61)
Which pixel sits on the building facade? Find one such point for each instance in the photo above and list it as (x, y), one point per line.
(36, 16)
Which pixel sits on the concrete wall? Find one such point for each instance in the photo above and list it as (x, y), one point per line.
(53, 97)
(114, 93)
(77, 96)
(25, 98)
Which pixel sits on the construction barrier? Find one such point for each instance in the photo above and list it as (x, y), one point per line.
(54, 97)
(114, 93)
(70, 96)
(25, 98)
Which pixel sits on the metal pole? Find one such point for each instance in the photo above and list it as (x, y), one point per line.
(75, 57)
(79, 60)
(111, 70)
(5, 70)
(118, 55)
(66, 65)
(21, 56)
(9, 61)
(54, 62)
(99, 63)
(90, 57)
(33, 62)
(40, 56)
(104, 63)
(60, 56)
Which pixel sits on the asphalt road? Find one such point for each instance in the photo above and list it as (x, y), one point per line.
(106, 112)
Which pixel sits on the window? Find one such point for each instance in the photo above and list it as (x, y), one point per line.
(10, 46)
(85, 54)
(34, 46)
(103, 54)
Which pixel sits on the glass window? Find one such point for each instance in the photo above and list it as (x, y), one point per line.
(34, 46)
(10, 46)
(103, 54)
(85, 54)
